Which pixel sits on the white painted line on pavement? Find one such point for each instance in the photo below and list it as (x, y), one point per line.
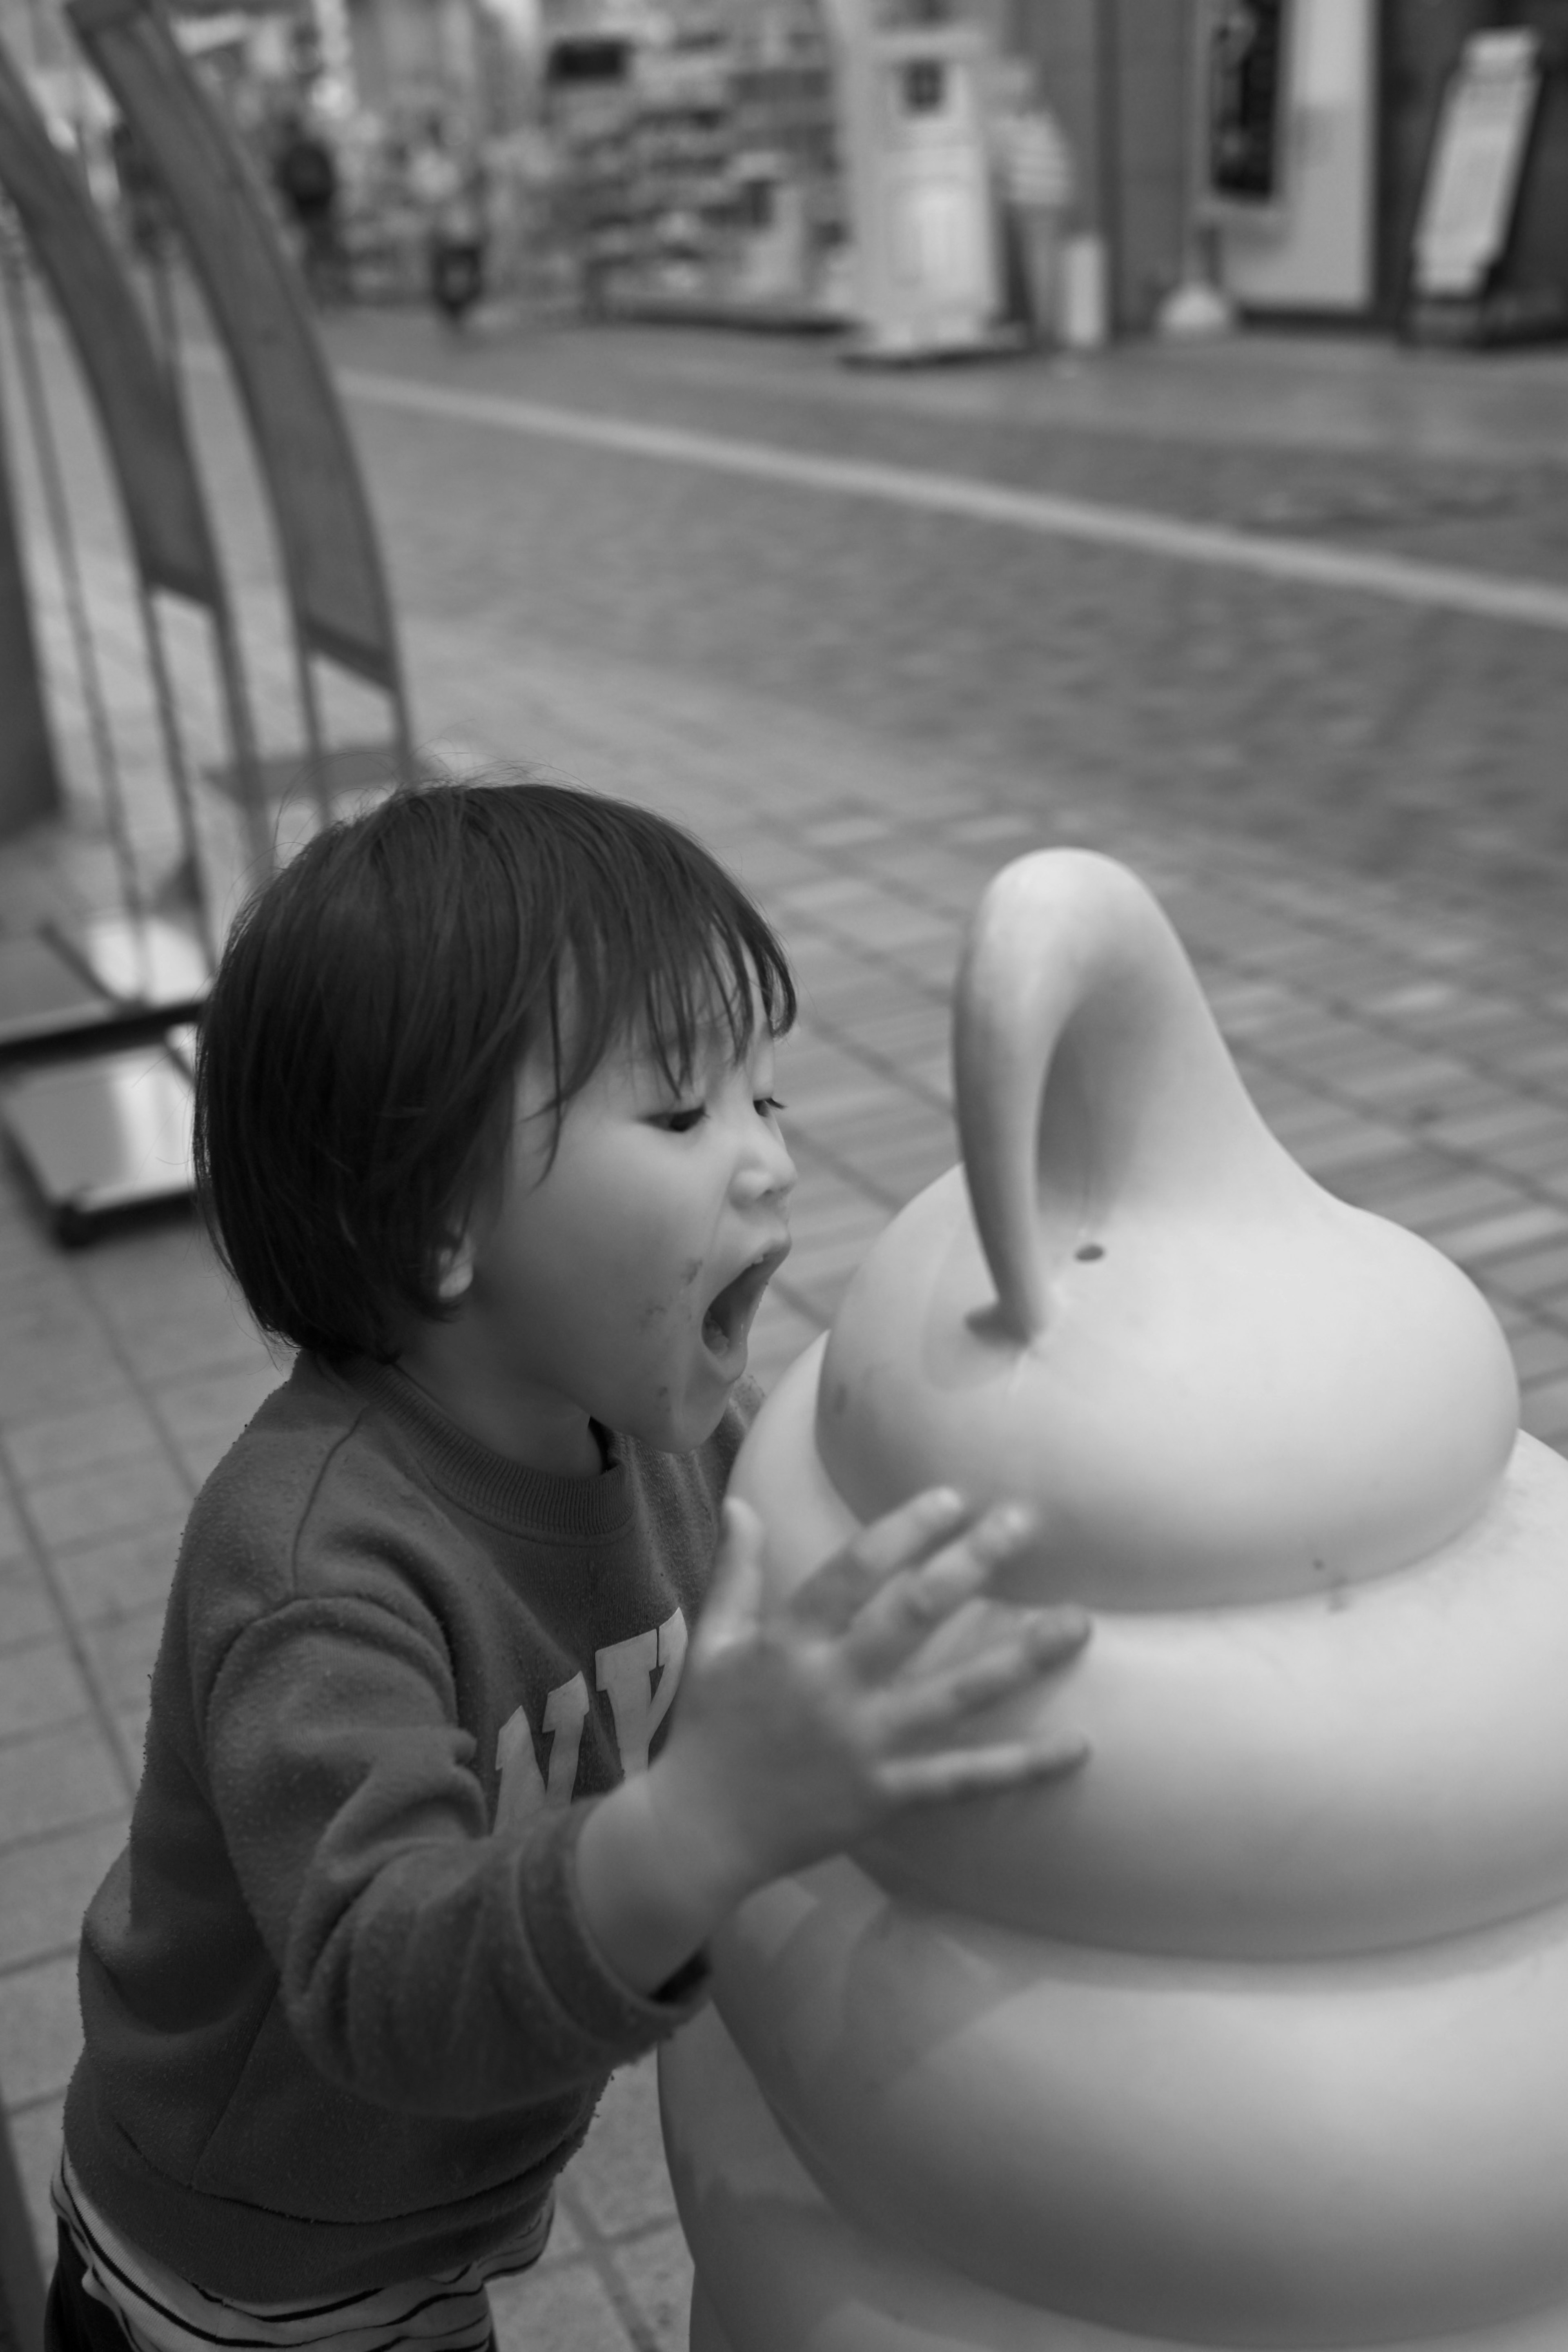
(1487, 595)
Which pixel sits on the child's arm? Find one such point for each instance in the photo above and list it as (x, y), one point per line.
(797, 1733)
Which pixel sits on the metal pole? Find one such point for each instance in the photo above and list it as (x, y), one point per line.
(29, 785)
(179, 771)
(315, 740)
(53, 487)
(232, 693)
(242, 743)
(1107, 74)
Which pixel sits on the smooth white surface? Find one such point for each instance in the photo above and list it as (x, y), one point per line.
(779, 2271)
(1362, 2148)
(1249, 2033)
(1350, 1772)
(1214, 1381)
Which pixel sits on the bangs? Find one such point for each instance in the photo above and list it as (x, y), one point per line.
(678, 957)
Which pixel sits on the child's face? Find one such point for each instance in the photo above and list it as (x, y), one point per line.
(621, 1276)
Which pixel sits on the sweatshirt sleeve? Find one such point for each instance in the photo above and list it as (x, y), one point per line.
(426, 1962)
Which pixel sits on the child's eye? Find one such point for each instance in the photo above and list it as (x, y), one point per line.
(767, 1105)
(682, 1122)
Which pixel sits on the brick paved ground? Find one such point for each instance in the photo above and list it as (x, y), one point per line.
(1397, 1000)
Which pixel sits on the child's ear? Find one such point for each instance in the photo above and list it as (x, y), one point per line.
(454, 1270)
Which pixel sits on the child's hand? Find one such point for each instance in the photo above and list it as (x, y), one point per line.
(797, 1732)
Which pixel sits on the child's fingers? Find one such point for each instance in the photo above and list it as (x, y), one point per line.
(832, 1596)
(960, 1772)
(1045, 1641)
(907, 1608)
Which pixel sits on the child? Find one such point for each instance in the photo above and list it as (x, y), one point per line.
(422, 1851)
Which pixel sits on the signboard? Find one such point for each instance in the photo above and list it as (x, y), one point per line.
(1472, 182)
(1315, 250)
(132, 390)
(331, 559)
(1245, 90)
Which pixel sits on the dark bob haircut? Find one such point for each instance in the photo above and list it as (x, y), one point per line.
(355, 1075)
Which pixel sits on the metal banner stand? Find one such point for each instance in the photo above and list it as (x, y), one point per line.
(339, 607)
(102, 1135)
(109, 1130)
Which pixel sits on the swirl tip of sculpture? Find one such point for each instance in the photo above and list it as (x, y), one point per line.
(1215, 1379)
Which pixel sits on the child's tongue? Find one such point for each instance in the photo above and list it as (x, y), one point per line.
(727, 1316)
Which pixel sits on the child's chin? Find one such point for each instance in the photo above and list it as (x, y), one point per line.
(683, 1432)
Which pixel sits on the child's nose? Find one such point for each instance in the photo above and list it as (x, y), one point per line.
(768, 1173)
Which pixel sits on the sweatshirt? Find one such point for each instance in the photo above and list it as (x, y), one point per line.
(344, 2021)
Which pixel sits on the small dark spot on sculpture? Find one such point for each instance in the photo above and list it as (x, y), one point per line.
(1089, 1250)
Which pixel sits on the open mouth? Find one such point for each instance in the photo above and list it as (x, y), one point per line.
(728, 1317)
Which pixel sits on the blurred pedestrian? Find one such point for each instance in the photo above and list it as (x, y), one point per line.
(1034, 172)
(142, 203)
(450, 190)
(305, 173)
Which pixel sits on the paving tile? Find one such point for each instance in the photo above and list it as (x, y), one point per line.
(36, 2143)
(210, 1339)
(1539, 1354)
(14, 1544)
(45, 1885)
(619, 2175)
(887, 1119)
(845, 831)
(61, 1372)
(828, 894)
(1511, 1229)
(930, 1076)
(1544, 1410)
(904, 1165)
(815, 1110)
(120, 1652)
(844, 1231)
(1356, 1144)
(1533, 1272)
(40, 1686)
(204, 1416)
(40, 2028)
(122, 1574)
(557, 2307)
(109, 1498)
(1505, 1121)
(28, 1609)
(57, 1779)
(1429, 1207)
(61, 1444)
(658, 2271)
(904, 1032)
(1297, 1116)
(1532, 1155)
(1410, 1081)
(1545, 1060)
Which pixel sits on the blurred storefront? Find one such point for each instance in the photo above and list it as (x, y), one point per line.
(881, 161)
(697, 151)
(1347, 136)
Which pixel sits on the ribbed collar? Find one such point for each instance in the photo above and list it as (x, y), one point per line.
(527, 1502)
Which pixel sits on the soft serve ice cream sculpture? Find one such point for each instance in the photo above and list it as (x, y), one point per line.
(1254, 2033)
